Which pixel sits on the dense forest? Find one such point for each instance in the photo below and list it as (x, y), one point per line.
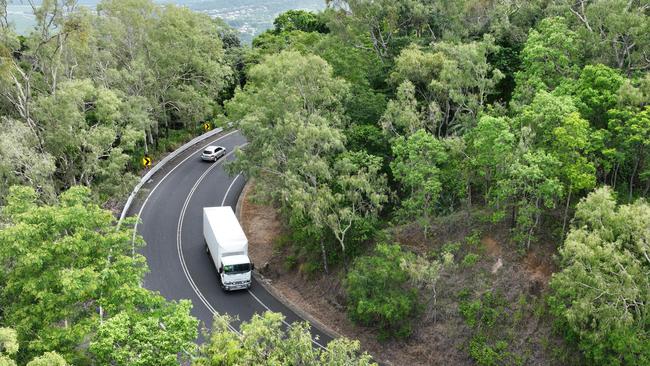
(529, 120)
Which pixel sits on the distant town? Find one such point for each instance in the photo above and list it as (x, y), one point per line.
(249, 17)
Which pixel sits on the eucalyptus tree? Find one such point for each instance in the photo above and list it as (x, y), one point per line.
(291, 111)
(601, 293)
(452, 82)
(611, 32)
(356, 193)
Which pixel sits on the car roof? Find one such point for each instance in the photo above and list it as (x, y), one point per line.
(213, 147)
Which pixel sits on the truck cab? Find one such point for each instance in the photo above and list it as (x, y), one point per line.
(235, 272)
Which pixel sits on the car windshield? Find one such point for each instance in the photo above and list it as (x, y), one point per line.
(236, 268)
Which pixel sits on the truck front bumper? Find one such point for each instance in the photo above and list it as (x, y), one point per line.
(237, 285)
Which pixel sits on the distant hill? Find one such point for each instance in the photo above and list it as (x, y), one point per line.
(250, 17)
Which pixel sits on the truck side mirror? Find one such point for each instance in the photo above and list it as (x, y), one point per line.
(252, 266)
(220, 269)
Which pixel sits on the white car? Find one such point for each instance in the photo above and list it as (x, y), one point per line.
(213, 153)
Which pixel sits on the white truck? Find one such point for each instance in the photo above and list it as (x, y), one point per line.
(226, 243)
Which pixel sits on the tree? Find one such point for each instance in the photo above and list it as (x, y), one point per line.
(9, 348)
(601, 293)
(612, 32)
(300, 20)
(416, 167)
(264, 341)
(65, 271)
(451, 81)
(531, 183)
(571, 145)
(358, 193)
(291, 111)
(88, 130)
(596, 92)
(491, 150)
(631, 139)
(549, 58)
(402, 117)
(379, 294)
(20, 162)
(133, 338)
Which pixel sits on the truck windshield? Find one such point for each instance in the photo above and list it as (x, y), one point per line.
(237, 268)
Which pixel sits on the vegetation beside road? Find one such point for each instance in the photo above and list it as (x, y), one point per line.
(375, 115)
(371, 126)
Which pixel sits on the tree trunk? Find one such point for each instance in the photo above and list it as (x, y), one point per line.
(146, 146)
(636, 166)
(566, 211)
(532, 228)
(322, 248)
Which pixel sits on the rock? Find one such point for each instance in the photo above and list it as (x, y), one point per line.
(497, 265)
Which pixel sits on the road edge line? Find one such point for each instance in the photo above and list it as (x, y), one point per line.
(159, 165)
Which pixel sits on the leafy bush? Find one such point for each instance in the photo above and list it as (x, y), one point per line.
(487, 355)
(470, 259)
(474, 239)
(379, 295)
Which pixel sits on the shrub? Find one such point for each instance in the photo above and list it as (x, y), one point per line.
(379, 294)
(487, 355)
(470, 260)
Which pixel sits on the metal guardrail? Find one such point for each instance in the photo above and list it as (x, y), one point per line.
(158, 166)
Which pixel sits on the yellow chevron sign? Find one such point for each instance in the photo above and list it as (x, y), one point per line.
(146, 161)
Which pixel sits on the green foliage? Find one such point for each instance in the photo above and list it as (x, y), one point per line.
(483, 316)
(301, 20)
(86, 91)
(452, 82)
(264, 341)
(378, 294)
(549, 58)
(415, 167)
(470, 259)
(487, 355)
(596, 92)
(474, 239)
(599, 294)
(70, 262)
(9, 348)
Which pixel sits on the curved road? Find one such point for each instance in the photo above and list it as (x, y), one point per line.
(171, 224)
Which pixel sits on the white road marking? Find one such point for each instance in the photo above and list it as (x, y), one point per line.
(179, 246)
(229, 187)
(135, 228)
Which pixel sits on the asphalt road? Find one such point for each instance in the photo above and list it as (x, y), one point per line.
(171, 224)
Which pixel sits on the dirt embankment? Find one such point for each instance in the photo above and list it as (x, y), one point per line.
(443, 341)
